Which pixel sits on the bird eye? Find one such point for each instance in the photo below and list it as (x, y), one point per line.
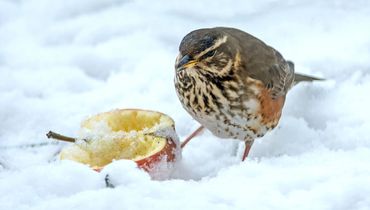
(210, 53)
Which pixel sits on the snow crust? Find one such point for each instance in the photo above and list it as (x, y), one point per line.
(61, 61)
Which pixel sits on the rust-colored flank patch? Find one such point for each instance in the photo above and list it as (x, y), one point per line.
(270, 108)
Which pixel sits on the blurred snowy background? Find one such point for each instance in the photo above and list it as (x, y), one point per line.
(63, 60)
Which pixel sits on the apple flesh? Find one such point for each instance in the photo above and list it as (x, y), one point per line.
(146, 137)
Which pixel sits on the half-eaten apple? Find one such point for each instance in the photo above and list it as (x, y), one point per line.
(146, 137)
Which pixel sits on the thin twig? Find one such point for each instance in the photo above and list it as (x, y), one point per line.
(108, 183)
(60, 137)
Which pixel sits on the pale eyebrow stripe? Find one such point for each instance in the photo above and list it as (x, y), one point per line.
(217, 44)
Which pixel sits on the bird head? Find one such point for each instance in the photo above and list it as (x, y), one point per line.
(207, 50)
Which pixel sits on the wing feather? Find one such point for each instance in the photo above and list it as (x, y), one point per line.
(263, 62)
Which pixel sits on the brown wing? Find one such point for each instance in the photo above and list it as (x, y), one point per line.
(262, 62)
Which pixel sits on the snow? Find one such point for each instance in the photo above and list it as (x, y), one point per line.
(61, 61)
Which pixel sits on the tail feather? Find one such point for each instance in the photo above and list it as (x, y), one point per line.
(302, 77)
(305, 78)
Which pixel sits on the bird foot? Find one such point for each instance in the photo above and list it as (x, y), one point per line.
(195, 133)
(248, 145)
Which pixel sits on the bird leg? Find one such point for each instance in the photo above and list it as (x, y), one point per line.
(195, 133)
(248, 145)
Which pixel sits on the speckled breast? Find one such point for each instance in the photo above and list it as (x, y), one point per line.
(232, 111)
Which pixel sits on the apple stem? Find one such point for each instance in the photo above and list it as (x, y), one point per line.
(60, 137)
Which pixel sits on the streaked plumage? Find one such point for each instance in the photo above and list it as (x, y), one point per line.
(232, 83)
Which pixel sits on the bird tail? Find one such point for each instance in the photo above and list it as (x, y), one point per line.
(305, 78)
(302, 77)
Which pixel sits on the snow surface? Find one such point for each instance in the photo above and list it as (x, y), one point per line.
(63, 60)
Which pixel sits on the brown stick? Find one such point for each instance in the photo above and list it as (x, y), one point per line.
(60, 137)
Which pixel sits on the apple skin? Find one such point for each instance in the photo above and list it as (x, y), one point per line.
(168, 153)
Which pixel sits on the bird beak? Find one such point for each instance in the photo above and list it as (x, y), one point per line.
(185, 62)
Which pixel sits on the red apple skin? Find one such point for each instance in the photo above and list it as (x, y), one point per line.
(168, 152)
(148, 163)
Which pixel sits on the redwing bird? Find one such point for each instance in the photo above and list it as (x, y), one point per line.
(232, 83)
